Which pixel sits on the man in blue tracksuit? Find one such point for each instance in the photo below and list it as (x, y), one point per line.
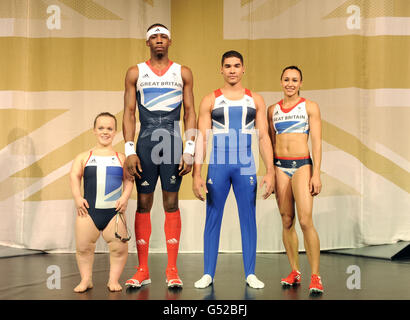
(232, 113)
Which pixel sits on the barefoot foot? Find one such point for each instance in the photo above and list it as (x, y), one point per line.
(114, 286)
(83, 286)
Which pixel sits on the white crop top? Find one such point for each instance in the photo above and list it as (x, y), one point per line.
(292, 120)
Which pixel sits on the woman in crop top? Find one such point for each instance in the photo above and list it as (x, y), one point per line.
(291, 121)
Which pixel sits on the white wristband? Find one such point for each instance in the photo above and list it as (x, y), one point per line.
(190, 147)
(129, 148)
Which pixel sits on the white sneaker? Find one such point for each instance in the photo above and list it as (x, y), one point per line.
(254, 282)
(204, 282)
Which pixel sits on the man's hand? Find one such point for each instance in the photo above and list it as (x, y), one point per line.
(132, 163)
(185, 164)
(197, 185)
(269, 180)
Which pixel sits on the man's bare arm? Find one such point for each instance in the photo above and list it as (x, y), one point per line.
(188, 102)
(265, 144)
(128, 123)
(204, 125)
(130, 104)
(186, 162)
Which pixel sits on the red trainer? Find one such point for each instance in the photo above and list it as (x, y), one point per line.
(140, 278)
(315, 284)
(173, 279)
(293, 278)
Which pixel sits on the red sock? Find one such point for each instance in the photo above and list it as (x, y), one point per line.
(172, 233)
(142, 235)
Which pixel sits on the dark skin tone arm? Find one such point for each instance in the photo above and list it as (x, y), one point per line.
(128, 124)
(189, 118)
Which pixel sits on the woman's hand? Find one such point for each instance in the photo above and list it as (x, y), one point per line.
(82, 205)
(315, 185)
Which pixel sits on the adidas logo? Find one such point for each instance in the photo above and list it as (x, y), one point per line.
(278, 163)
(276, 113)
(157, 30)
(222, 102)
(141, 242)
(210, 181)
(173, 180)
(144, 184)
(93, 161)
(145, 75)
(294, 164)
(172, 241)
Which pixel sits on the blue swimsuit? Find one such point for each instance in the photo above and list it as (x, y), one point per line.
(102, 187)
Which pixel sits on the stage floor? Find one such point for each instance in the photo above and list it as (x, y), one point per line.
(25, 278)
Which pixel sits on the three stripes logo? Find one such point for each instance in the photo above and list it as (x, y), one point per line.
(172, 241)
(141, 242)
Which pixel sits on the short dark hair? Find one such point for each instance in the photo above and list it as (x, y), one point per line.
(105, 114)
(156, 25)
(231, 53)
(292, 68)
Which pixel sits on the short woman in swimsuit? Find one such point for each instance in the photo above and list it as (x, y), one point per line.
(102, 207)
(291, 121)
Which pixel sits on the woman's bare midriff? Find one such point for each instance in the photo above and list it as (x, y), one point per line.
(291, 145)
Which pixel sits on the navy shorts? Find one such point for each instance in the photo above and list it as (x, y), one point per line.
(159, 159)
(291, 165)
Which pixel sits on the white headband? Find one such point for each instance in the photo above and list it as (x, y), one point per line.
(156, 30)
